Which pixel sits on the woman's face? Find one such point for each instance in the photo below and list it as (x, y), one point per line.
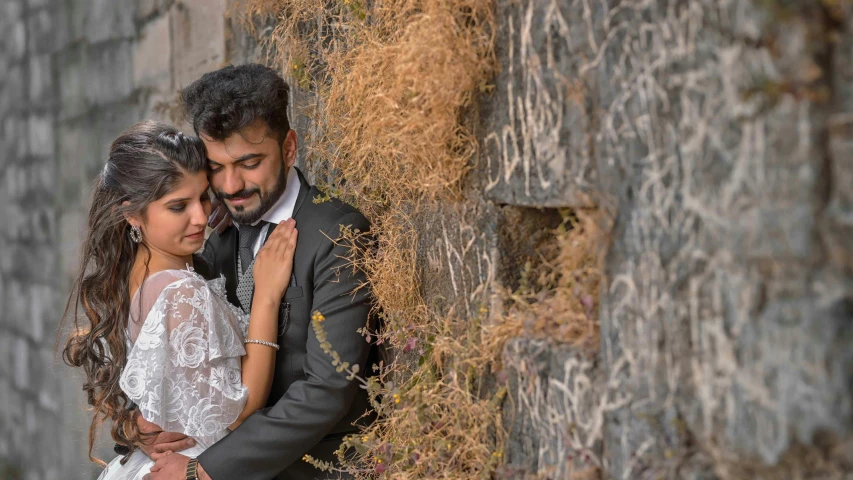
(174, 224)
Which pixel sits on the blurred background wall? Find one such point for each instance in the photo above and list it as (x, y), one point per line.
(717, 136)
(75, 73)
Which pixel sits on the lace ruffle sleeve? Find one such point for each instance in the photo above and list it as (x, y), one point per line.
(183, 370)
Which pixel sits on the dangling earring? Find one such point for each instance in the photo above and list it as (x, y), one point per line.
(135, 234)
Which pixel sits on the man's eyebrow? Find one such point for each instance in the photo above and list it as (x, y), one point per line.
(244, 158)
(248, 156)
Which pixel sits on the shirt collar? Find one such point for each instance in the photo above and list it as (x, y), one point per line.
(283, 208)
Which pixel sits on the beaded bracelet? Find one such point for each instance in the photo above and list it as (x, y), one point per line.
(262, 342)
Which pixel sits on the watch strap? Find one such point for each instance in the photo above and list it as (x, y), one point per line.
(192, 469)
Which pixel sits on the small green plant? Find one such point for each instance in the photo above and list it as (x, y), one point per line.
(327, 193)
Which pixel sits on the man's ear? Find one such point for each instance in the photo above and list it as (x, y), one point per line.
(288, 148)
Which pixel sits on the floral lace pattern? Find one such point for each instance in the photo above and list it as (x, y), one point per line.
(183, 370)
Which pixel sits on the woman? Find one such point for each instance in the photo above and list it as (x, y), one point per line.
(156, 334)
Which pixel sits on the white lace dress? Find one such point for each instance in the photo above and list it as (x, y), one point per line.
(183, 368)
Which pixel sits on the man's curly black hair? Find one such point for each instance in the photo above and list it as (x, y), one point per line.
(224, 101)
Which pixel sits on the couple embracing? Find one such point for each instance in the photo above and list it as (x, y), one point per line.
(206, 364)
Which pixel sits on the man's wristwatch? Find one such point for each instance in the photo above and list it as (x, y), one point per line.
(192, 469)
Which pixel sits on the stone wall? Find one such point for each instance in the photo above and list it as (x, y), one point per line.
(717, 135)
(76, 73)
(716, 139)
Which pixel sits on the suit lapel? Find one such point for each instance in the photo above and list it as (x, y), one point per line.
(227, 262)
(304, 188)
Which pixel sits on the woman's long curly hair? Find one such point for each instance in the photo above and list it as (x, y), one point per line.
(145, 163)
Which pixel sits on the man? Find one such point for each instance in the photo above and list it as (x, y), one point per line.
(240, 114)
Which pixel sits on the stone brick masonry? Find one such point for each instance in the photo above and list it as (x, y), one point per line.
(75, 74)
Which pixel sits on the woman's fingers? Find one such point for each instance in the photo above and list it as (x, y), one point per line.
(289, 245)
(283, 230)
(281, 237)
(281, 233)
(274, 263)
(281, 243)
(291, 242)
(275, 247)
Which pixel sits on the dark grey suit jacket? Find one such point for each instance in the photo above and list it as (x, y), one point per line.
(311, 406)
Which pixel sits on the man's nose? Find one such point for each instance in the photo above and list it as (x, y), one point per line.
(233, 182)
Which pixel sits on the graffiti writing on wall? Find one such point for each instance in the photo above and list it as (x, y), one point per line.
(537, 150)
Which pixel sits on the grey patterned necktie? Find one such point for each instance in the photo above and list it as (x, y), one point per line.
(247, 236)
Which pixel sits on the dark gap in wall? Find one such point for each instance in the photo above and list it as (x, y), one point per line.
(524, 234)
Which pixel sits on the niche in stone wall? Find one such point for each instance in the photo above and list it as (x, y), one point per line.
(549, 270)
(525, 236)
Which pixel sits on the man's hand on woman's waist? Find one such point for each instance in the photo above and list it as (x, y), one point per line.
(164, 443)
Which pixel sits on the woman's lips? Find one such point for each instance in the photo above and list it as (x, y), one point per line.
(196, 236)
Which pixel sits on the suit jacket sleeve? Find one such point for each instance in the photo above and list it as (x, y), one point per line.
(272, 439)
(203, 261)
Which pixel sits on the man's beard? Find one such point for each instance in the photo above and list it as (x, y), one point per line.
(240, 215)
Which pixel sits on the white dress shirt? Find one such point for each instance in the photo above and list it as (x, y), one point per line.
(282, 209)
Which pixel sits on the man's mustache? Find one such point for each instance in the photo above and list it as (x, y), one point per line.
(245, 193)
